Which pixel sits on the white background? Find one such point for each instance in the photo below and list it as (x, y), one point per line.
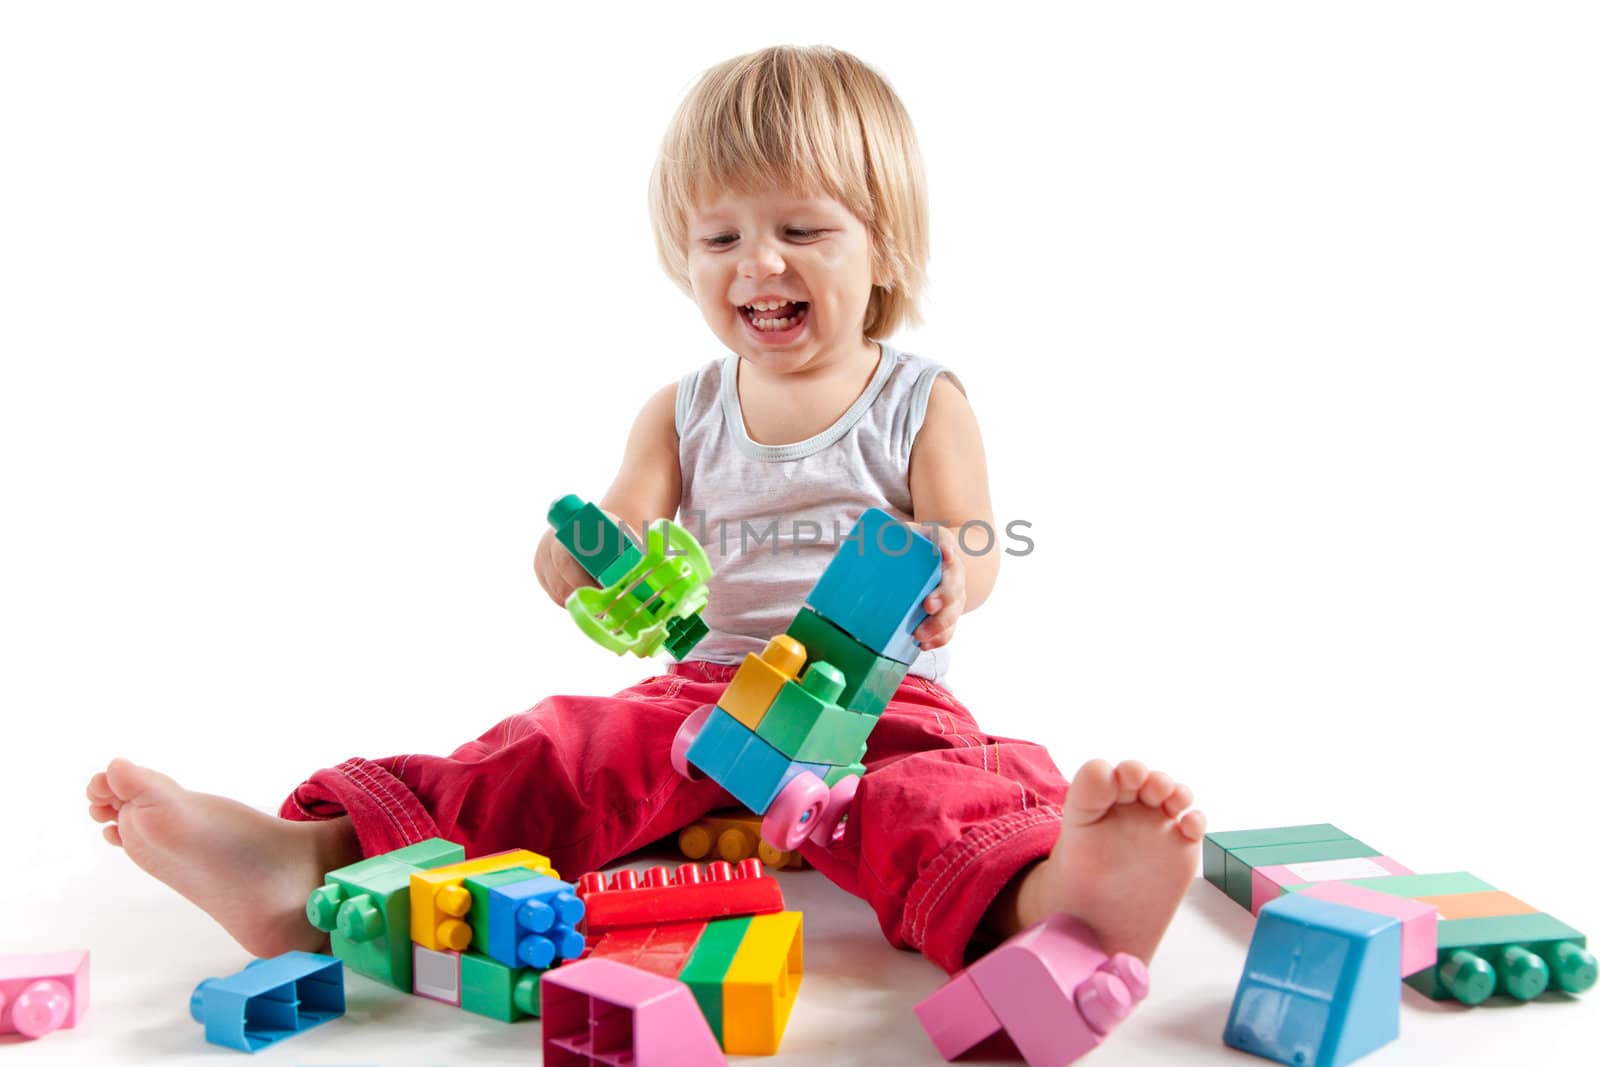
(1280, 319)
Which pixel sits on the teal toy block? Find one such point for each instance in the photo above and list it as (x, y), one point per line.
(365, 908)
(870, 680)
(595, 541)
(1319, 986)
(1519, 956)
(1218, 845)
(1415, 886)
(1242, 861)
(269, 1000)
(805, 724)
(741, 762)
(490, 988)
(875, 586)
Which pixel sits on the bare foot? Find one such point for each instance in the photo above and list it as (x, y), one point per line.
(248, 870)
(1126, 855)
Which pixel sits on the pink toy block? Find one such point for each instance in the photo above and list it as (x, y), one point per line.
(1050, 989)
(39, 994)
(1268, 883)
(1419, 922)
(601, 1012)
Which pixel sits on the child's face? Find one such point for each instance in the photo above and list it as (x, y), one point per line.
(773, 247)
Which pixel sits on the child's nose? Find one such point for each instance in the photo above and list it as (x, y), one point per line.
(761, 258)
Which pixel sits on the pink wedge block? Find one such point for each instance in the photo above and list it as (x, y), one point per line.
(1419, 922)
(39, 994)
(1268, 883)
(1050, 989)
(599, 1011)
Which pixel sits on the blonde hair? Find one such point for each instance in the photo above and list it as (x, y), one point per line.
(802, 120)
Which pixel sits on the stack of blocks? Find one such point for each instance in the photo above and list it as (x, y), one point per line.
(475, 934)
(776, 721)
(1319, 988)
(720, 930)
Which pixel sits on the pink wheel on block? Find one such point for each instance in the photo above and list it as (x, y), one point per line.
(794, 812)
(830, 826)
(685, 737)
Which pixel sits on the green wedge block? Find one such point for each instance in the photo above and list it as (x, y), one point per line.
(708, 965)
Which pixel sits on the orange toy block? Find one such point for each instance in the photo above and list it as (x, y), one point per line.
(439, 902)
(756, 683)
(1478, 905)
(759, 989)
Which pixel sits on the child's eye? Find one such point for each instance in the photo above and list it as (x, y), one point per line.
(804, 233)
(718, 241)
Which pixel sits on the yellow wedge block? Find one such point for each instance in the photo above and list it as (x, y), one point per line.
(439, 902)
(759, 989)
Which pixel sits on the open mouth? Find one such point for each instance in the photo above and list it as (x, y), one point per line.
(776, 320)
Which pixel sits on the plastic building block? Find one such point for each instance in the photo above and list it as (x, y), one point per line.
(366, 909)
(733, 836)
(490, 988)
(870, 680)
(806, 725)
(1269, 883)
(1417, 886)
(633, 613)
(1484, 905)
(1048, 990)
(1216, 847)
(756, 683)
(588, 533)
(437, 975)
(1419, 921)
(440, 903)
(1516, 955)
(531, 922)
(603, 1012)
(689, 893)
(1319, 986)
(740, 761)
(708, 966)
(269, 1000)
(1242, 862)
(759, 988)
(683, 634)
(875, 586)
(663, 950)
(41, 993)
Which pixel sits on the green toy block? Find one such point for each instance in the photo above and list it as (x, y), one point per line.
(1241, 861)
(589, 534)
(479, 885)
(1516, 955)
(870, 680)
(424, 855)
(489, 987)
(683, 634)
(1214, 851)
(843, 772)
(708, 965)
(1413, 886)
(805, 724)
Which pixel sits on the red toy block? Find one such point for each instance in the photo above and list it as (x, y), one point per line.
(1419, 921)
(663, 950)
(39, 994)
(689, 893)
(603, 1012)
(1050, 989)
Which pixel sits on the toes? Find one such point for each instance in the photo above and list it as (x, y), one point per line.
(99, 791)
(1192, 826)
(128, 780)
(1178, 801)
(110, 834)
(102, 812)
(1156, 789)
(1130, 778)
(1091, 794)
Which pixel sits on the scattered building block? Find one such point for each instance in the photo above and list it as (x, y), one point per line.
(271, 999)
(733, 835)
(708, 966)
(757, 681)
(1049, 990)
(41, 993)
(1242, 862)
(1216, 847)
(686, 894)
(1417, 886)
(490, 988)
(598, 1011)
(532, 922)
(1319, 986)
(761, 983)
(1419, 921)
(1269, 883)
(663, 950)
(1484, 905)
(1516, 955)
(876, 583)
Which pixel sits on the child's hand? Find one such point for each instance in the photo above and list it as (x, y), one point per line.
(558, 572)
(946, 603)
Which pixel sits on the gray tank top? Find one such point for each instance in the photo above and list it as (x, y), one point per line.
(771, 516)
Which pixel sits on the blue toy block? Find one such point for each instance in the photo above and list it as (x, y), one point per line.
(1320, 986)
(875, 586)
(741, 762)
(531, 922)
(269, 1000)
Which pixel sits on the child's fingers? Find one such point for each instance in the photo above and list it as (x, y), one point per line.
(937, 628)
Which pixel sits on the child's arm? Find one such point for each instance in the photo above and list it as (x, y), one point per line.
(648, 486)
(949, 482)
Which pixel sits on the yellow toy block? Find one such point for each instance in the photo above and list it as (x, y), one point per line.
(439, 901)
(759, 989)
(757, 681)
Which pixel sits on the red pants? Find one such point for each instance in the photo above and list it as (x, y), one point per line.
(944, 818)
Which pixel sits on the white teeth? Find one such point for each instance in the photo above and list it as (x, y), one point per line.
(773, 305)
(775, 324)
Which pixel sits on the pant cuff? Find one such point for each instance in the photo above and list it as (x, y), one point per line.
(383, 810)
